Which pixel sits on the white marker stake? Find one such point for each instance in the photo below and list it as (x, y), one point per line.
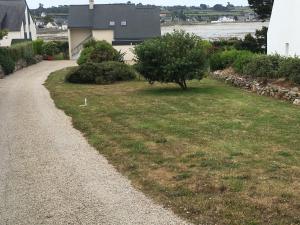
(85, 103)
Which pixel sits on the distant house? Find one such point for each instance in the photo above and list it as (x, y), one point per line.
(122, 25)
(284, 33)
(16, 18)
(51, 25)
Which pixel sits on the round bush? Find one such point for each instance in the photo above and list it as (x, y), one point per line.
(50, 48)
(98, 52)
(101, 73)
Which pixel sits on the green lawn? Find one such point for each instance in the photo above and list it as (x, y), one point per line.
(214, 154)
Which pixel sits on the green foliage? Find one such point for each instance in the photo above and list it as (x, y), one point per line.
(290, 68)
(225, 59)
(3, 33)
(262, 39)
(85, 55)
(101, 73)
(175, 58)
(63, 48)
(38, 46)
(244, 57)
(115, 71)
(263, 8)
(50, 48)
(6, 62)
(263, 66)
(99, 51)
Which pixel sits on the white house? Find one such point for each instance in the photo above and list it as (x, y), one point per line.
(122, 25)
(284, 32)
(51, 25)
(16, 18)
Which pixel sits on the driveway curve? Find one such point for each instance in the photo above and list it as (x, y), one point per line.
(49, 174)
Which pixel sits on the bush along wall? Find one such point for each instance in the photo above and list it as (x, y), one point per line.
(17, 57)
(259, 72)
(261, 86)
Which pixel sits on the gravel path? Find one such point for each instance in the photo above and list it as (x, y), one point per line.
(48, 172)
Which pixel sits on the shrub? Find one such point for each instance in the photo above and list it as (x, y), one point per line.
(22, 51)
(115, 71)
(85, 74)
(290, 68)
(225, 59)
(6, 62)
(175, 58)
(99, 51)
(263, 66)
(38, 46)
(50, 48)
(63, 47)
(101, 73)
(244, 57)
(85, 54)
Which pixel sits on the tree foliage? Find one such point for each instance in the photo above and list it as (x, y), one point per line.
(99, 51)
(3, 33)
(173, 58)
(263, 8)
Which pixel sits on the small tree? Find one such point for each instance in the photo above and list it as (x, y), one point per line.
(263, 8)
(3, 33)
(173, 58)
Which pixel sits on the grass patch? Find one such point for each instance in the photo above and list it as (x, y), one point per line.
(214, 154)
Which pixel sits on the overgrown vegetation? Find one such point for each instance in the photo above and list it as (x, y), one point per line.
(10, 56)
(173, 58)
(214, 154)
(257, 65)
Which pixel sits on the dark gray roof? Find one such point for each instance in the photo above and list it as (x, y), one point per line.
(12, 14)
(142, 21)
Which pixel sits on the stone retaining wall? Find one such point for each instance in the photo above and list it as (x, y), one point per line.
(261, 87)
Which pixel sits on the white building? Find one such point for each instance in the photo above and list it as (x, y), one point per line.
(16, 18)
(284, 32)
(51, 25)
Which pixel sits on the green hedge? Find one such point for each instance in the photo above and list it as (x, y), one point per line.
(10, 56)
(257, 65)
(101, 73)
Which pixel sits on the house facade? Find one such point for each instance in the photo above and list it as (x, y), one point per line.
(16, 18)
(122, 25)
(284, 32)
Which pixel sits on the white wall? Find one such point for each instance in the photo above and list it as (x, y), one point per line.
(29, 27)
(128, 50)
(6, 41)
(103, 35)
(284, 28)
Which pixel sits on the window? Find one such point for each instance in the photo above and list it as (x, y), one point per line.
(112, 23)
(124, 23)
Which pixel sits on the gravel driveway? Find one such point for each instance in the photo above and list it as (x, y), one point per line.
(48, 172)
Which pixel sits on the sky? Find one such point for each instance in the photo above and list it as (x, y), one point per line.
(48, 3)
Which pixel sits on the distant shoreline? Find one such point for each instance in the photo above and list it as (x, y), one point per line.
(171, 24)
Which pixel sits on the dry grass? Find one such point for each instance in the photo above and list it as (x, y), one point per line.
(214, 154)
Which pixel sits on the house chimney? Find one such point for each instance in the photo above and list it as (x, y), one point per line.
(91, 4)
